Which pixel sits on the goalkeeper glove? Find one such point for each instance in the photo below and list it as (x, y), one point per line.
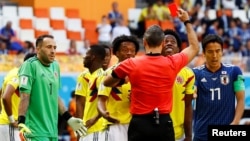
(23, 128)
(76, 124)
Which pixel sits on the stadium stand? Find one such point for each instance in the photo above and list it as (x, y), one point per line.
(67, 23)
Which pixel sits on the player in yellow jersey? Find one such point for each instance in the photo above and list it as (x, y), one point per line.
(107, 59)
(182, 91)
(86, 92)
(10, 101)
(113, 103)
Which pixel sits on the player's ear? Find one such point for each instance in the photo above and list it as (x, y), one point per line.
(93, 57)
(144, 42)
(38, 48)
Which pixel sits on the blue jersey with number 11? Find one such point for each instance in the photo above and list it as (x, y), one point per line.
(215, 103)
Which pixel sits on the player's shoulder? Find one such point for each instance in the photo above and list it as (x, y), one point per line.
(107, 71)
(31, 60)
(201, 67)
(228, 65)
(110, 69)
(187, 69)
(232, 68)
(12, 73)
(114, 66)
(97, 73)
(84, 73)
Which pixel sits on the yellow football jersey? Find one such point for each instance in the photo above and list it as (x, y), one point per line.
(118, 100)
(87, 86)
(184, 84)
(11, 79)
(82, 83)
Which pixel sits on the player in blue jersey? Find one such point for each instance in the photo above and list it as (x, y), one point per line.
(220, 90)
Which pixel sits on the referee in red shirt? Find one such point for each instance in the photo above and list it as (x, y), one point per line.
(152, 77)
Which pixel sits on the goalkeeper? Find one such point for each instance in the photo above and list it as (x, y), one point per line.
(39, 83)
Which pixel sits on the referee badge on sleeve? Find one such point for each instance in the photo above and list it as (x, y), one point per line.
(224, 79)
(24, 80)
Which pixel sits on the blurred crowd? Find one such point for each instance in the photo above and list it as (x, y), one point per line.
(234, 30)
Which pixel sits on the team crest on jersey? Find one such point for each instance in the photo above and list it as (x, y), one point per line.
(179, 80)
(224, 79)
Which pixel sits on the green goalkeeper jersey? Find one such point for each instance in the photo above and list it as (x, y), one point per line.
(42, 83)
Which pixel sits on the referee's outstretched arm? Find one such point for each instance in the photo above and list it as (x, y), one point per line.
(192, 50)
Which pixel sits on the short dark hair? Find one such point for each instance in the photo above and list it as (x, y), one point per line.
(106, 46)
(28, 55)
(211, 38)
(98, 50)
(30, 44)
(175, 34)
(154, 36)
(72, 94)
(124, 38)
(39, 40)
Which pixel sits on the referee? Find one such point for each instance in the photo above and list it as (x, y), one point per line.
(152, 77)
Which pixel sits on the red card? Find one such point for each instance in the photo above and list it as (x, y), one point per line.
(173, 9)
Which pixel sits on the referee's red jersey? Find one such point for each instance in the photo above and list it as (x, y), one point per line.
(152, 78)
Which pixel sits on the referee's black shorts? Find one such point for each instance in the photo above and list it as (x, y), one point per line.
(144, 128)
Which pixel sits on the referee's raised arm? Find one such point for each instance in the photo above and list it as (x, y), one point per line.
(192, 50)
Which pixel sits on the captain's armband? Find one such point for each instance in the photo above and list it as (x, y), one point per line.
(239, 84)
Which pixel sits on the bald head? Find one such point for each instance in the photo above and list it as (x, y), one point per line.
(154, 36)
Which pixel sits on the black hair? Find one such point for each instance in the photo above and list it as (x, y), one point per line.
(124, 38)
(106, 46)
(211, 38)
(154, 36)
(98, 50)
(30, 44)
(28, 55)
(72, 94)
(175, 34)
(40, 39)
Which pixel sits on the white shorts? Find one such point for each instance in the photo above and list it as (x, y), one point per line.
(116, 132)
(9, 133)
(96, 136)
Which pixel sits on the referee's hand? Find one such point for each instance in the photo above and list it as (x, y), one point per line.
(183, 15)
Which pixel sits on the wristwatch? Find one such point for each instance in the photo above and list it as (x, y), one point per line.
(186, 22)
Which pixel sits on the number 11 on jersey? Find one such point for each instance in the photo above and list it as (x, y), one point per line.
(215, 91)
